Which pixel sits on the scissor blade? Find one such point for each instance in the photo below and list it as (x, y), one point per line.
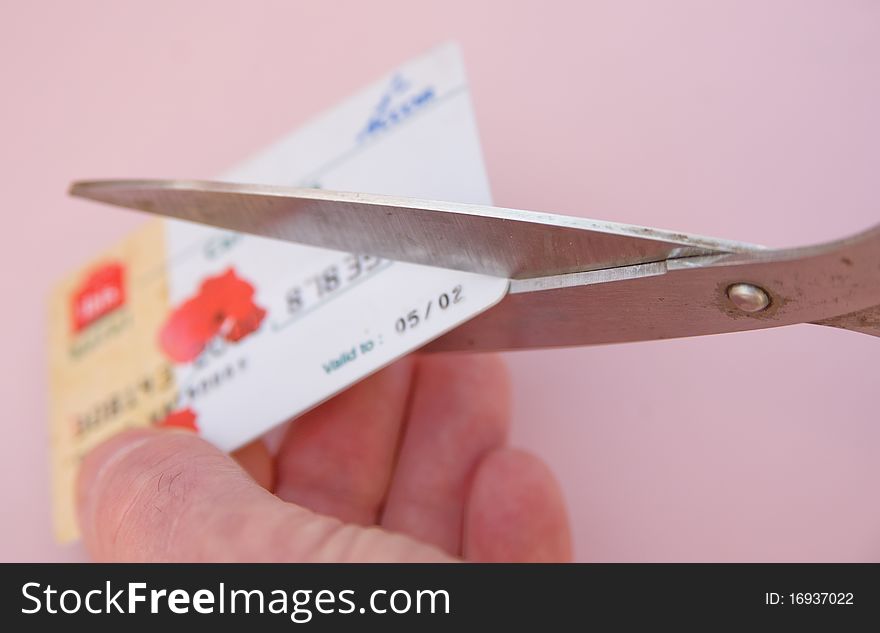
(481, 239)
(835, 284)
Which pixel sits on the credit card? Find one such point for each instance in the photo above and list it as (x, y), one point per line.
(229, 335)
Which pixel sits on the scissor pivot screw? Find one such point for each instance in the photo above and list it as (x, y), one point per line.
(748, 297)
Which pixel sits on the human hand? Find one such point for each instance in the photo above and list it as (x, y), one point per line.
(407, 465)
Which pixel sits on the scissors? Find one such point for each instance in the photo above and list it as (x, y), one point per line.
(571, 281)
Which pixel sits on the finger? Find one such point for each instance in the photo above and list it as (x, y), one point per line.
(337, 459)
(459, 412)
(153, 495)
(256, 460)
(515, 512)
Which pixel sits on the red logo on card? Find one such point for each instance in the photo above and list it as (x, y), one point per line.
(180, 419)
(223, 306)
(102, 292)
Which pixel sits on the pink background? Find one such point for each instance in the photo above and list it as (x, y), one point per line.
(752, 120)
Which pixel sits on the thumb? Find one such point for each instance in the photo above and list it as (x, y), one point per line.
(150, 495)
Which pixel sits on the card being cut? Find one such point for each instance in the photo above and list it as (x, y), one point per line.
(229, 335)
